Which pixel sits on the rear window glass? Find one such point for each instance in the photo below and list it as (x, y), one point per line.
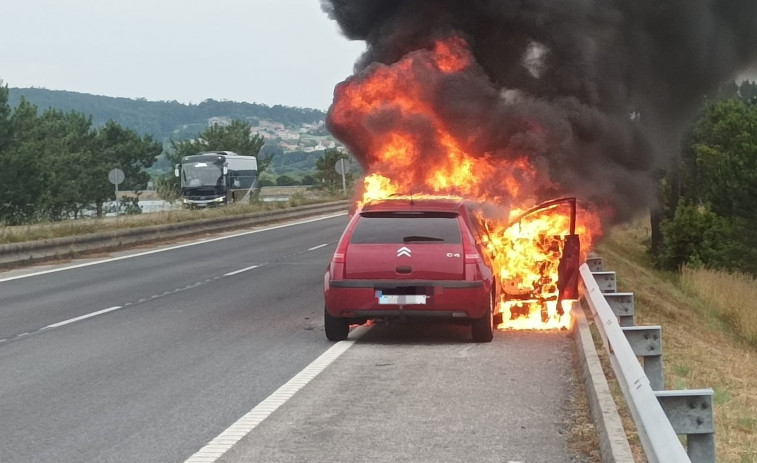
(391, 228)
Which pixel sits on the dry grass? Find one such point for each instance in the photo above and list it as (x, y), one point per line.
(701, 349)
(731, 297)
(48, 230)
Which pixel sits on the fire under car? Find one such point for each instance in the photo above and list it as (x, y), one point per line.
(406, 258)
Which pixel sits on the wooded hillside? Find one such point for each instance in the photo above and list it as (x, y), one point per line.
(160, 119)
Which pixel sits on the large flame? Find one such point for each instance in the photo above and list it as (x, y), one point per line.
(410, 149)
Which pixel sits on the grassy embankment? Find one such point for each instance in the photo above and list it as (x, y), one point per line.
(49, 230)
(709, 330)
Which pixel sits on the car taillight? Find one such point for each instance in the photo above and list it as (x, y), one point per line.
(338, 260)
(341, 247)
(471, 253)
(472, 258)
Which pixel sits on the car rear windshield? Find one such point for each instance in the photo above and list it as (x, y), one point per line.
(406, 227)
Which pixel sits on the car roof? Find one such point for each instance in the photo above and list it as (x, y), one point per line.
(415, 203)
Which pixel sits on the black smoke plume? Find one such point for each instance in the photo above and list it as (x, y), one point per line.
(611, 82)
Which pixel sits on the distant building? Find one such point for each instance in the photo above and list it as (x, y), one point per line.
(219, 121)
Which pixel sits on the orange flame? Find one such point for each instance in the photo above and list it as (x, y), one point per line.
(431, 160)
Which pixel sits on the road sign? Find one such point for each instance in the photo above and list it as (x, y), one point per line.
(116, 176)
(342, 167)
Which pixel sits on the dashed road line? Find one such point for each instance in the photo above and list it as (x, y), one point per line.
(83, 317)
(236, 272)
(146, 299)
(171, 248)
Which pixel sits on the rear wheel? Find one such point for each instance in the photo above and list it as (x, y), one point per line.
(483, 328)
(337, 328)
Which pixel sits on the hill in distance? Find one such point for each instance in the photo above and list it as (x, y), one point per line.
(164, 119)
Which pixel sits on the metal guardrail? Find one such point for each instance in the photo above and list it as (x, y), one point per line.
(34, 251)
(659, 415)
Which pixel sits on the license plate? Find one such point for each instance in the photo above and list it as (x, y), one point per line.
(401, 299)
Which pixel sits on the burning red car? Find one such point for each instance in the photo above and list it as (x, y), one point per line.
(410, 257)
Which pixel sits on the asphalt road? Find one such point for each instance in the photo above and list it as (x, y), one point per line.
(148, 358)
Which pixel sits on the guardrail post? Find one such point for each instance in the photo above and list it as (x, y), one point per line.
(623, 306)
(596, 264)
(690, 412)
(606, 281)
(646, 342)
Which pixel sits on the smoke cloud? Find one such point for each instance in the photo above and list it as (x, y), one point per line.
(611, 83)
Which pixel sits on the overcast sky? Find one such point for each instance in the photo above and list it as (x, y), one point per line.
(260, 51)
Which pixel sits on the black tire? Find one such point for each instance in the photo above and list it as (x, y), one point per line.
(482, 328)
(336, 328)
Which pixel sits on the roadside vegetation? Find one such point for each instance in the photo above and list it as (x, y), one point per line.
(48, 230)
(707, 218)
(55, 167)
(708, 328)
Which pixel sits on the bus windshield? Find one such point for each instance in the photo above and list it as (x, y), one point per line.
(198, 174)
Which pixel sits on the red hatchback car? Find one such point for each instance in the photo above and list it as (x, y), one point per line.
(411, 258)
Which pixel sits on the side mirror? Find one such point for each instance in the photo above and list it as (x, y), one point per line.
(176, 171)
(225, 170)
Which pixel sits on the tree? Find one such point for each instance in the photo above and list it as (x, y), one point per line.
(234, 137)
(711, 215)
(724, 151)
(68, 164)
(56, 164)
(308, 180)
(118, 147)
(5, 113)
(695, 236)
(326, 176)
(265, 181)
(285, 180)
(22, 177)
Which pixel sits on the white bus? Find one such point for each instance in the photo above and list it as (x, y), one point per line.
(215, 178)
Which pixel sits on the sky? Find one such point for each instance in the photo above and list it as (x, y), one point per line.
(285, 52)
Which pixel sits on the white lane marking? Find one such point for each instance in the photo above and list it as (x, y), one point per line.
(318, 247)
(171, 248)
(244, 425)
(89, 315)
(235, 272)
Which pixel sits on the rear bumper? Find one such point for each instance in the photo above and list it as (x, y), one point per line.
(452, 299)
(449, 284)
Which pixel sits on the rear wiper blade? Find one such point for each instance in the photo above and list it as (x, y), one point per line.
(408, 239)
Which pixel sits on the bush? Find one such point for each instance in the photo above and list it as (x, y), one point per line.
(130, 205)
(265, 181)
(285, 180)
(168, 188)
(696, 236)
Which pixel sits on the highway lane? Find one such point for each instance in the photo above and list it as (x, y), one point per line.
(196, 345)
(157, 379)
(424, 393)
(29, 304)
